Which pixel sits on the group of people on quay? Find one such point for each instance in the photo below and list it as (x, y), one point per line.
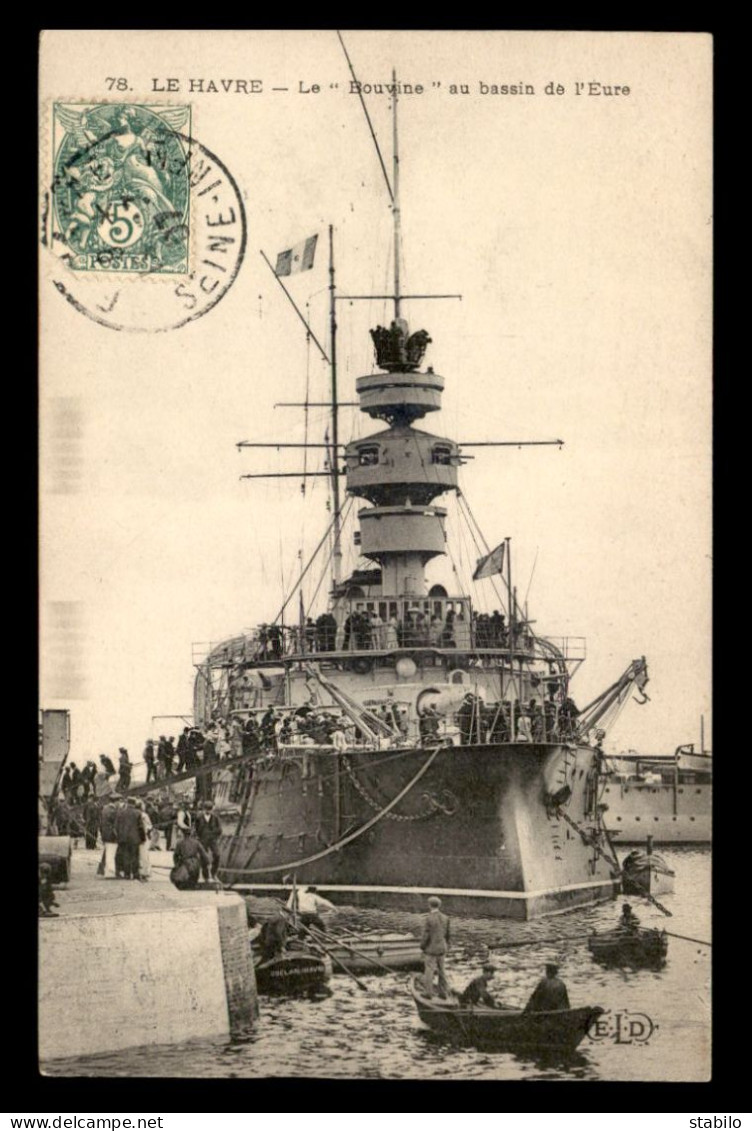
(365, 630)
(128, 829)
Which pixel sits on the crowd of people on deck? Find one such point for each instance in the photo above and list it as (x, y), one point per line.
(365, 630)
(260, 736)
(537, 720)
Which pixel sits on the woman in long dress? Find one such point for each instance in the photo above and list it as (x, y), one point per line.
(144, 864)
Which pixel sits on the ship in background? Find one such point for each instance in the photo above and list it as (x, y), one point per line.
(419, 746)
(669, 798)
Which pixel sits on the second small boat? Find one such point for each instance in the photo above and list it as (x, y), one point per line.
(375, 953)
(641, 948)
(646, 873)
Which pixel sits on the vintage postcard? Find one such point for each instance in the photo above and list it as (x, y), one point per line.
(375, 417)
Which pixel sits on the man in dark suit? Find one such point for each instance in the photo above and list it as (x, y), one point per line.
(550, 993)
(129, 832)
(208, 829)
(149, 761)
(182, 750)
(435, 944)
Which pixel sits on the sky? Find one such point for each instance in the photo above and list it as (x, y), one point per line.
(577, 229)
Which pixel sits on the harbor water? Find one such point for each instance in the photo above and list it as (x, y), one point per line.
(656, 1026)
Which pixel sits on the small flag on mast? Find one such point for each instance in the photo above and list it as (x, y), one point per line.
(298, 258)
(492, 563)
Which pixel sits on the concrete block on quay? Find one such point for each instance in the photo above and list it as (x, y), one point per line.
(129, 964)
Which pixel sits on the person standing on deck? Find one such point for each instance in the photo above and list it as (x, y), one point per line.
(149, 760)
(435, 944)
(124, 766)
(107, 765)
(162, 771)
(182, 750)
(550, 994)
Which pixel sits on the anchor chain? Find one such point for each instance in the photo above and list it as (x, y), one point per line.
(588, 838)
(434, 804)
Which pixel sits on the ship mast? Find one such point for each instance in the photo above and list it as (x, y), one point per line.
(395, 199)
(334, 457)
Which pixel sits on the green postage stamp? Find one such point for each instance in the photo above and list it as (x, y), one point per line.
(121, 187)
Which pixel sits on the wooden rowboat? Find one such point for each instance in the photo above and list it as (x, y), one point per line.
(643, 947)
(561, 1030)
(370, 952)
(646, 873)
(294, 972)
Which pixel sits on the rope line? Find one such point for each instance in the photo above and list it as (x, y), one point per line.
(340, 844)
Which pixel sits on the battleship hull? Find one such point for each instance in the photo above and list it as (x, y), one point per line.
(478, 828)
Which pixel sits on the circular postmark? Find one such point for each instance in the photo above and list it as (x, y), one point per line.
(146, 226)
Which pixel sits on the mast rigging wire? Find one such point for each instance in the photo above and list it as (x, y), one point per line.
(368, 119)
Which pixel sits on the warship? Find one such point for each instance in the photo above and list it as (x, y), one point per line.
(667, 797)
(399, 743)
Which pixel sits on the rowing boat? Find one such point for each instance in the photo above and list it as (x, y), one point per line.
(370, 952)
(294, 972)
(641, 947)
(504, 1028)
(646, 873)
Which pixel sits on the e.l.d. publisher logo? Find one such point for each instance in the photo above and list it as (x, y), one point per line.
(623, 1027)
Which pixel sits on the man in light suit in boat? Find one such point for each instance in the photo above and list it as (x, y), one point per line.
(435, 944)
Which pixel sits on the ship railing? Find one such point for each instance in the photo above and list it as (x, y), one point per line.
(571, 647)
(470, 655)
(272, 644)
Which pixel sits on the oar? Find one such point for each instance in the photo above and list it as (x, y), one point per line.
(650, 898)
(358, 983)
(359, 953)
(539, 942)
(687, 938)
(347, 970)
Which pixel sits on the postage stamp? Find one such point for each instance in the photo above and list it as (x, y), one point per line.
(121, 190)
(144, 228)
